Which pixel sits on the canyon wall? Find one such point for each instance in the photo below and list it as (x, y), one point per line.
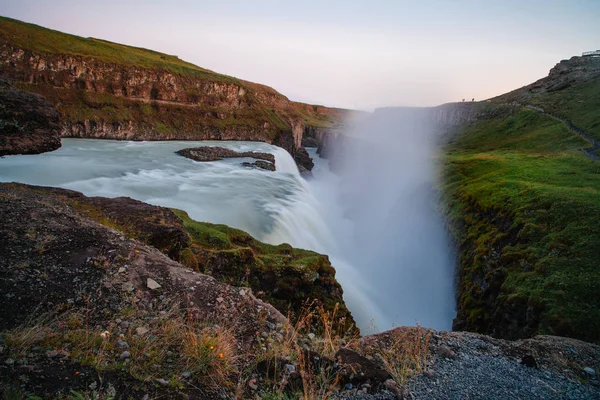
(28, 123)
(112, 91)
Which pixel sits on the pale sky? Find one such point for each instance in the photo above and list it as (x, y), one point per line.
(354, 54)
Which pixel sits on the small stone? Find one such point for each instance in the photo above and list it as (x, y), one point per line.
(529, 361)
(290, 368)
(162, 382)
(152, 284)
(118, 321)
(146, 397)
(220, 299)
(589, 371)
(186, 374)
(445, 351)
(141, 330)
(127, 287)
(264, 335)
(311, 336)
(124, 325)
(121, 344)
(271, 326)
(121, 270)
(124, 355)
(169, 353)
(9, 361)
(51, 353)
(393, 387)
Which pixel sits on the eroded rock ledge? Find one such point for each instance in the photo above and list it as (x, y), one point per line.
(209, 153)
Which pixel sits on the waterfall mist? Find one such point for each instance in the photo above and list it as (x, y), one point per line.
(390, 231)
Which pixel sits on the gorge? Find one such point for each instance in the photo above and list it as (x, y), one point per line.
(274, 207)
(181, 224)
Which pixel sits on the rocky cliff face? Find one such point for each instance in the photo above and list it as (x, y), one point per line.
(566, 73)
(136, 99)
(68, 79)
(28, 123)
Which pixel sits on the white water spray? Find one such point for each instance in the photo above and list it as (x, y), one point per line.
(274, 207)
(390, 230)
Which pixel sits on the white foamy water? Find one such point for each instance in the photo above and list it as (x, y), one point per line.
(220, 192)
(274, 207)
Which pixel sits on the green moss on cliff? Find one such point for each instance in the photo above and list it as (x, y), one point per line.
(579, 104)
(286, 277)
(524, 203)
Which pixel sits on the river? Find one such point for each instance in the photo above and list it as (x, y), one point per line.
(275, 207)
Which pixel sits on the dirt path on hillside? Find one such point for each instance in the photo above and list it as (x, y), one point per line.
(590, 151)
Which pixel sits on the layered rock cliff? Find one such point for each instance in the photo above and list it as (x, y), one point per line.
(111, 91)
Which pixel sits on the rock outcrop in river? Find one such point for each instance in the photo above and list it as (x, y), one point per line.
(215, 153)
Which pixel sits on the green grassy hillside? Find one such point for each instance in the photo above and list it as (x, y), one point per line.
(111, 84)
(524, 204)
(571, 91)
(38, 39)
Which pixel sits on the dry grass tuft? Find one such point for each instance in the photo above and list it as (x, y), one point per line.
(404, 352)
(319, 380)
(171, 346)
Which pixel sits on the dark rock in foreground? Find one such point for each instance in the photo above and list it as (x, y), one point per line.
(85, 301)
(209, 153)
(28, 123)
(303, 160)
(94, 298)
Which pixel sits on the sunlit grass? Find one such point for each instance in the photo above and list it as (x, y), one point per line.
(528, 173)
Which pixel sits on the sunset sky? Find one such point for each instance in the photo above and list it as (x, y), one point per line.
(355, 54)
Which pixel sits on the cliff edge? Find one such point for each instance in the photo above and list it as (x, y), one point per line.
(112, 91)
(28, 123)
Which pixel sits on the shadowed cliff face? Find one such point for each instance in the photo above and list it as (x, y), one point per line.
(28, 123)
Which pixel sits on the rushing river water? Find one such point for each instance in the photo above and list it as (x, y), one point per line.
(274, 207)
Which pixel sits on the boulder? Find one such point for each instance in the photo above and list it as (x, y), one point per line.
(28, 123)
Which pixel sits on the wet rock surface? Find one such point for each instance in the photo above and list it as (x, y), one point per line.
(28, 123)
(209, 153)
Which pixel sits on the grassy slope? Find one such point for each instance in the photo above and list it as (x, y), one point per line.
(39, 39)
(579, 103)
(527, 169)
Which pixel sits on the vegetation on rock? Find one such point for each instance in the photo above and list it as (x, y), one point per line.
(524, 204)
(109, 90)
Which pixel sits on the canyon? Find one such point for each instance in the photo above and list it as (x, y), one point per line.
(111, 91)
(115, 289)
